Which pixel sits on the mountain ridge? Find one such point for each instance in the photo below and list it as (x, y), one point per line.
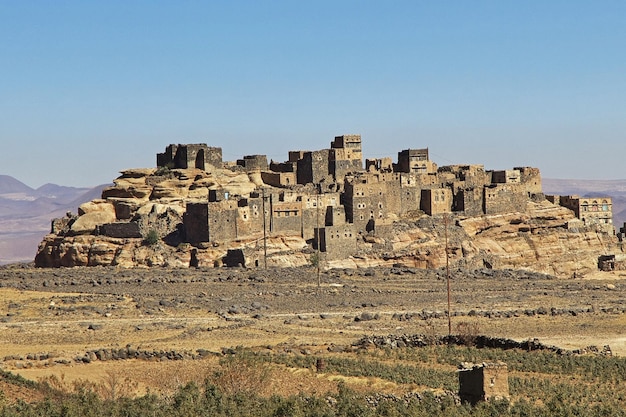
(26, 212)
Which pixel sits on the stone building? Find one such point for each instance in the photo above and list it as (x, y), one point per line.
(187, 156)
(337, 242)
(591, 210)
(329, 192)
(483, 382)
(415, 161)
(279, 179)
(253, 162)
(345, 156)
(436, 201)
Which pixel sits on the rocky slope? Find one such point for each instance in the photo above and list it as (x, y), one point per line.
(541, 237)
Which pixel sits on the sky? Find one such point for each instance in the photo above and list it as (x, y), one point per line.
(89, 88)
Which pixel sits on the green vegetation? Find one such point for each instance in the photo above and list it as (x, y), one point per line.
(152, 238)
(541, 384)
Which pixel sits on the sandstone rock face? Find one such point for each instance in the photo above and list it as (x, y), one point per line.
(87, 222)
(541, 237)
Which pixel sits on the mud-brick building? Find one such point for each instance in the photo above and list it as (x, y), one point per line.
(187, 156)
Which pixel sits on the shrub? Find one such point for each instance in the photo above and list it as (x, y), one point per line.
(152, 238)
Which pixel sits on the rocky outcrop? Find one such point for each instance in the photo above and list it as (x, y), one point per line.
(541, 237)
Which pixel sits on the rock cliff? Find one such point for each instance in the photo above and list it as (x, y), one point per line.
(138, 223)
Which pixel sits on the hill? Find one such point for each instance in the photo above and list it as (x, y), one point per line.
(25, 214)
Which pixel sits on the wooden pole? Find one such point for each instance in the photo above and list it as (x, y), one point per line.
(317, 238)
(445, 221)
(264, 232)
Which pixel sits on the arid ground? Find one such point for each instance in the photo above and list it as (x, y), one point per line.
(51, 318)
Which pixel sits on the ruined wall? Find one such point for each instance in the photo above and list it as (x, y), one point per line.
(379, 165)
(186, 156)
(504, 198)
(122, 230)
(196, 222)
(279, 179)
(531, 178)
(253, 162)
(507, 176)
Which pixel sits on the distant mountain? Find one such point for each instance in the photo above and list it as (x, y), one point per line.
(25, 214)
(9, 185)
(59, 192)
(616, 189)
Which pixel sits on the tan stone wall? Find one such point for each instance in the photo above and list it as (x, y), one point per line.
(338, 242)
(503, 198)
(436, 201)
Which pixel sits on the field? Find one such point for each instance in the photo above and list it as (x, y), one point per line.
(132, 332)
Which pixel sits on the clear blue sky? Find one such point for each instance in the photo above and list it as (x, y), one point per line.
(88, 88)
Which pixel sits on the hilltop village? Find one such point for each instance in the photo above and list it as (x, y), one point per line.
(329, 199)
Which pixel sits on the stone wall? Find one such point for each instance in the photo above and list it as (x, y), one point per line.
(436, 201)
(196, 222)
(186, 156)
(125, 230)
(504, 198)
(338, 242)
(286, 218)
(253, 162)
(313, 167)
(484, 382)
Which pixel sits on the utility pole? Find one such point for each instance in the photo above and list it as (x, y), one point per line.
(317, 238)
(445, 221)
(264, 230)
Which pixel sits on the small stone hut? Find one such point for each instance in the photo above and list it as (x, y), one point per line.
(483, 382)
